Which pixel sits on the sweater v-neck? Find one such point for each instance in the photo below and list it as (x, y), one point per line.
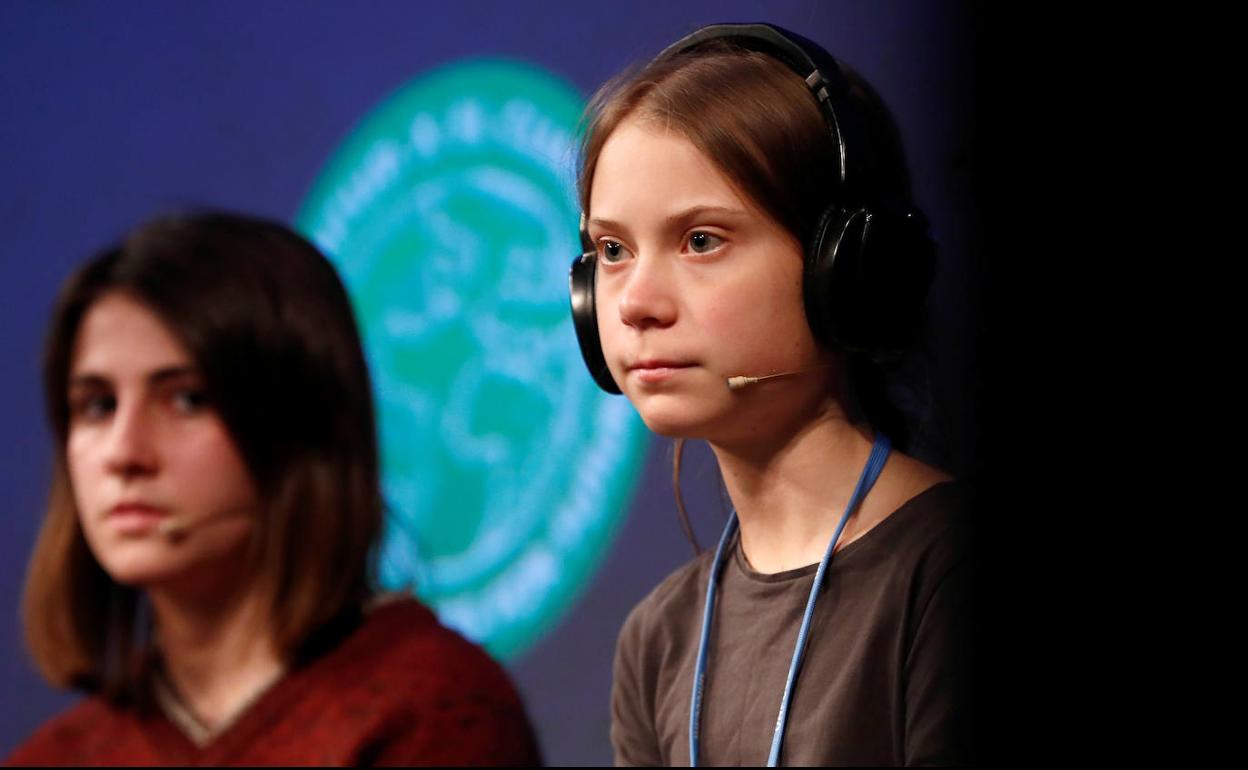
(237, 732)
(176, 731)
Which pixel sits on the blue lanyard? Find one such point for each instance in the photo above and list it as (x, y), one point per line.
(875, 464)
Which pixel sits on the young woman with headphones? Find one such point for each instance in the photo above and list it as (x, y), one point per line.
(751, 254)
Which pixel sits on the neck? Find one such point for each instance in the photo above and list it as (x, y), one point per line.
(218, 652)
(791, 486)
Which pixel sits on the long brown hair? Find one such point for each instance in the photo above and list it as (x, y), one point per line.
(757, 121)
(269, 324)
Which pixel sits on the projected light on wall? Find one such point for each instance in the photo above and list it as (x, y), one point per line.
(451, 215)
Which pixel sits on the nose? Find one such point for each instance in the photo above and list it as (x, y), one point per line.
(131, 447)
(647, 299)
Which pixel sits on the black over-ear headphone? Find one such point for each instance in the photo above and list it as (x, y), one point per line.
(869, 262)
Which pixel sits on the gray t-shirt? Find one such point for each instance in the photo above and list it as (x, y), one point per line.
(885, 677)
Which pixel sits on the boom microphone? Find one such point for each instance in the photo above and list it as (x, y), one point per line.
(175, 528)
(740, 381)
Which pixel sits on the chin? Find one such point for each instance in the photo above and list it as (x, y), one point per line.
(143, 573)
(146, 562)
(675, 417)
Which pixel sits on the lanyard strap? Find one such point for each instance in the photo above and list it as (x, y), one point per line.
(871, 472)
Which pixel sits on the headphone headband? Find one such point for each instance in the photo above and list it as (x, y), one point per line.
(820, 71)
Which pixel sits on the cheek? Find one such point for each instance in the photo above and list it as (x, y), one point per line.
(764, 317)
(607, 314)
(89, 488)
(211, 471)
(82, 470)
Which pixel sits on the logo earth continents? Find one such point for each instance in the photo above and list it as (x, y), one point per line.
(451, 215)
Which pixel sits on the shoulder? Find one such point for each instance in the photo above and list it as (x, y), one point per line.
(928, 538)
(404, 641)
(946, 509)
(939, 518)
(663, 618)
(435, 695)
(87, 732)
(932, 544)
(658, 634)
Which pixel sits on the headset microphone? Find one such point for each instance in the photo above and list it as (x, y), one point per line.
(741, 381)
(176, 528)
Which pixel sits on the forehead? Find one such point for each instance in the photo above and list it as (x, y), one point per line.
(645, 169)
(120, 335)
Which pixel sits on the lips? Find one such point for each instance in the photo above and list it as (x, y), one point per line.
(654, 370)
(137, 509)
(135, 518)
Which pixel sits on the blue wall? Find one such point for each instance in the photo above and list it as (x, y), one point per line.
(115, 111)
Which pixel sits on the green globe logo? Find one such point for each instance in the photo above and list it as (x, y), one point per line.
(450, 213)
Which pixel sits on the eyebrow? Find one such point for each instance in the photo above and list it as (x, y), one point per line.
(162, 375)
(680, 217)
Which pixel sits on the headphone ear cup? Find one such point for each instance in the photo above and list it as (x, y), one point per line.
(868, 272)
(897, 264)
(831, 267)
(581, 278)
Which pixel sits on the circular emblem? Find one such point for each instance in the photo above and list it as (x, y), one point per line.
(451, 215)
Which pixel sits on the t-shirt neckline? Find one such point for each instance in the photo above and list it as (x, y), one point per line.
(863, 543)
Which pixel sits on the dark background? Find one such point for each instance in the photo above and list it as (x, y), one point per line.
(114, 112)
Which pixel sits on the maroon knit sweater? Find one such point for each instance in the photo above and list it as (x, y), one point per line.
(400, 690)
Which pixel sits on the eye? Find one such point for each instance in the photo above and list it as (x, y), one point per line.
(704, 243)
(189, 400)
(93, 407)
(612, 252)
